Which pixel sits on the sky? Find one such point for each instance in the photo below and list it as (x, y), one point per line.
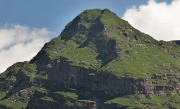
(25, 25)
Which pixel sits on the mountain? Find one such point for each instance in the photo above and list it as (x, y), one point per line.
(99, 61)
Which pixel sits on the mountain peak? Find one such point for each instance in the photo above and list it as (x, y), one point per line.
(102, 32)
(97, 57)
(96, 19)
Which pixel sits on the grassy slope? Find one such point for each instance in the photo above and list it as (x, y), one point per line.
(145, 57)
(138, 101)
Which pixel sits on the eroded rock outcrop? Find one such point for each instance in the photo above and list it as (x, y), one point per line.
(68, 75)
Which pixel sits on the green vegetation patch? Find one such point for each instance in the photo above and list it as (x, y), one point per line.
(85, 56)
(139, 101)
(13, 103)
(71, 95)
(129, 102)
(47, 98)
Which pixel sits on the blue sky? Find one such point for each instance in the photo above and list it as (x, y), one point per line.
(55, 14)
(25, 25)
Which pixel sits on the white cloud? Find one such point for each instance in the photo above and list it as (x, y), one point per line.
(20, 43)
(158, 19)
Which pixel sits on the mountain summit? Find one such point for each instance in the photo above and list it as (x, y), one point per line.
(99, 61)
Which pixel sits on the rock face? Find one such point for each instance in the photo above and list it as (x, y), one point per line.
(99, 61)
(101, 81)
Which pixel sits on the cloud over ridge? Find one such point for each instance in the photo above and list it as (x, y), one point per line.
(158, 19)
(20, 43)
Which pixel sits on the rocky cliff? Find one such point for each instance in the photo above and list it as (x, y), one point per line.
(99, 61)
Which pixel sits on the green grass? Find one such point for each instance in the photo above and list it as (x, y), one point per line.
(46, 98)
(138, 101)
(40, 89)
(71, 95)
(144, 61)
(2, 94)
(13, 103)
(107, 16)
(126, 102)
(69, 103)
